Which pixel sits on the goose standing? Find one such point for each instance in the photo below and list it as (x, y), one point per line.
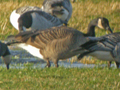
(108, 49)
(101, 23)
(52, 44)
(5, 54)
(61, 9)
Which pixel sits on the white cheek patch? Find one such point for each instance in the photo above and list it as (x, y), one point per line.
(42, 8)
(14, 19)
(100, 24)
(31, 49)
(7, 59)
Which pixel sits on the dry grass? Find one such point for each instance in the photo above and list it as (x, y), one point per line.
(83, 12)
(5, 27)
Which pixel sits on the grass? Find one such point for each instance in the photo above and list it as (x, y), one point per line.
(63, 78)
(60, 79)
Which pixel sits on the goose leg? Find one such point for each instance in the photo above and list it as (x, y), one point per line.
(48, 64)
(117, 64)
(109, 64)
(56, 63)
(7, 65)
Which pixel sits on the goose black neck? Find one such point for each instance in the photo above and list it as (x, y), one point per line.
(91, 28)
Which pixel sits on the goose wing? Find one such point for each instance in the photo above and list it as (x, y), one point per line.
(51, 19)
(33, 20)
(110, 43)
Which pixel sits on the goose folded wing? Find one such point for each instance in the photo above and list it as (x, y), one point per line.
(109, 43)
(38, 20)
(49, 18)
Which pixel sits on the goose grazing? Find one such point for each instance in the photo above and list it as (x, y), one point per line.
(51, 44)
(5, 54)
(108, 49)
(34, 20)
(57, 8)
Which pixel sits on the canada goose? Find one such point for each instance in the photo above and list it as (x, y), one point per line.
(51, 44)
(5, 54)
(58, 8)
(100, 22)
(108, 49)
(61, 9)
(32, 20)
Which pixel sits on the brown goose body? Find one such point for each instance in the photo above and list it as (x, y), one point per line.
(54, 43)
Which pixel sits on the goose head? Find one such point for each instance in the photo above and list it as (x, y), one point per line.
(56, 8)
(5, 54)
(103, 23)
(7, 60)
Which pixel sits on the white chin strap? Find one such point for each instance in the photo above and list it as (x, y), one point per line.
(7, 59)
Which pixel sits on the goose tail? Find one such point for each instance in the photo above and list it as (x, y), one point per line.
(11, 40)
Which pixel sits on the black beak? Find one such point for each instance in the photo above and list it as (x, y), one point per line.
(57, 11)
(7, 65)
(109, 29)
(65, 23)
